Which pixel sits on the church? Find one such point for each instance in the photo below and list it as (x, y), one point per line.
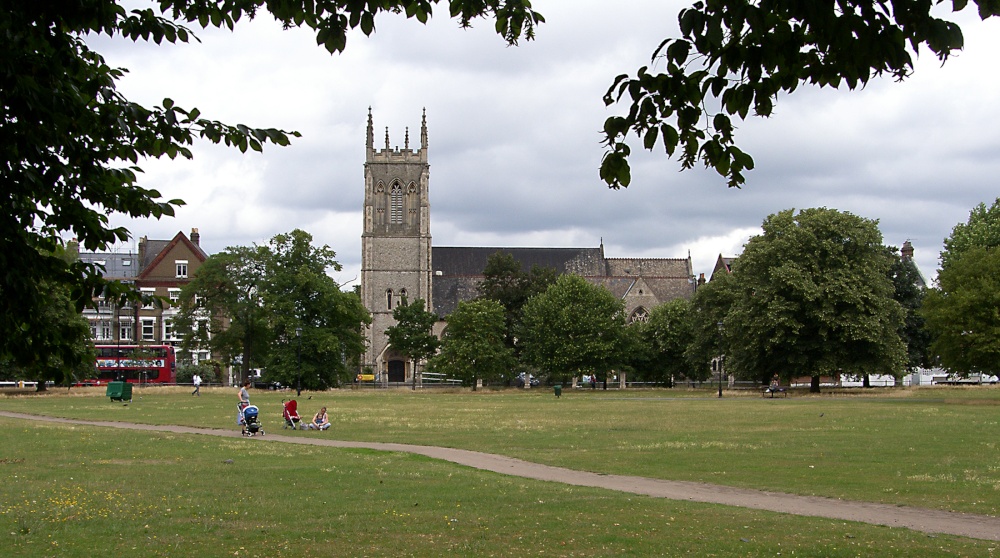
(399, 262)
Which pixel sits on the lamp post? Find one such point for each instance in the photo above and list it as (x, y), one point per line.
(298, 384)
(720, 359)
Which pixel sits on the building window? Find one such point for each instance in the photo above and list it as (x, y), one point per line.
(182, 268)
(402, 296)
(105, 333)
(396, 203)
(125, 331)
(148, 293)
(388, 299)
(175, 296)
(168, 330)
(149, 329)
(639, 315)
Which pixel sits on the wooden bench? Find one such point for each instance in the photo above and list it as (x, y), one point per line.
(772, 390)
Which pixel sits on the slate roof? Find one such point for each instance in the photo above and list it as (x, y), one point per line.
(117, 266)
(458, 271)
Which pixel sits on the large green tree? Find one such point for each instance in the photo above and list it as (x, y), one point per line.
(982, 230)
(70, 142)
(963, 313)
(317, 327)
(413, 333)
(505, 281)
(909, 291)
(736, 57)
(275, 307)
(222, 308)
(665, 336)
(473, 346)
(814, 299)
(709, 308)
(573, 328)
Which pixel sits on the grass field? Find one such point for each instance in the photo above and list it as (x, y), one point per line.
(77, 491)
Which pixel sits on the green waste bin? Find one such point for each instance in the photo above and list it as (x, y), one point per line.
(558, 389)
(119, 391)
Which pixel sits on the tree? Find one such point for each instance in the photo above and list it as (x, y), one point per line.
(222, 308)
(70, 142)
(965, 333)
(507, 283)
(412, 335)
(963, 313)
(272, 305)
(668, 335)
(572, 328)
(909, 292)
(300, 294)
(709, 308)
(982, 230)
(813, 297)
(735, 56)
(62, 349)
(473, 347)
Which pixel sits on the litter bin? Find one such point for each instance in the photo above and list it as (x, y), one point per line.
(558, 390)
(119, 391)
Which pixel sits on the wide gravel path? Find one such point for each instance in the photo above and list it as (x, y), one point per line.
(919, 519)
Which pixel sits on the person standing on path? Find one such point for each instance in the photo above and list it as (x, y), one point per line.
(196, 380)
(244, 401)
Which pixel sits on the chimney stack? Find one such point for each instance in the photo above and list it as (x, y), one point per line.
(907, 251)
(195, 237)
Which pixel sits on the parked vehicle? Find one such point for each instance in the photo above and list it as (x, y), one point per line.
(518, 380)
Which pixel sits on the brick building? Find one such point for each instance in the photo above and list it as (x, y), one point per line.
(160, 268)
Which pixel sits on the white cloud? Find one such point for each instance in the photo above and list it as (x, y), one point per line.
(514, 138)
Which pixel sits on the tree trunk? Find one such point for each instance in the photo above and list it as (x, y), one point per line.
(814, 385)
(867, 382)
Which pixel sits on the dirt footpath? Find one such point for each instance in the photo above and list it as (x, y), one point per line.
(918, 519)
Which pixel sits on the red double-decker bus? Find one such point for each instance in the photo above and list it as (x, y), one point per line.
(154, 364)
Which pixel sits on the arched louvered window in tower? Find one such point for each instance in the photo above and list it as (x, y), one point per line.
(396, 203)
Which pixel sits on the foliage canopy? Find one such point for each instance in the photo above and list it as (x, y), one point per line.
(813, 298)
(735, 57)
(71, 143)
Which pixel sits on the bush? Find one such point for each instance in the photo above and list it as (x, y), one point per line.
(208, 374)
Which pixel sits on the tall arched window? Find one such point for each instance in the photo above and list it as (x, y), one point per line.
(639, 315)
(396, 203)
(402, 296)
(388, 299)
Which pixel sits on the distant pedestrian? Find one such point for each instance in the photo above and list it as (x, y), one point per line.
(196, 380)
(244, 401)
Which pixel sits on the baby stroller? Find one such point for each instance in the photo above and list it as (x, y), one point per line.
(251, 424)
(291, 415)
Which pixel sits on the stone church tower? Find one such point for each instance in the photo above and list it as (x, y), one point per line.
(396, 243)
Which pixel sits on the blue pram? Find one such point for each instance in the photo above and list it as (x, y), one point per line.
(251, 423)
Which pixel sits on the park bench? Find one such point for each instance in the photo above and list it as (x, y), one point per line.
(769, 390)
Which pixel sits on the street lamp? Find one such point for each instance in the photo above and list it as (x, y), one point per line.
(298, 385)
(720, 359)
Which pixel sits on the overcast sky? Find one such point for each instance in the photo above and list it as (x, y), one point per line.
(515, 143)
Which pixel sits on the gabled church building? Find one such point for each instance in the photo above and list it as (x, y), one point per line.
(399, 261)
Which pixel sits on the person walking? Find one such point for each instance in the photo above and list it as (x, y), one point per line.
(196, 380)
(244, 401)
